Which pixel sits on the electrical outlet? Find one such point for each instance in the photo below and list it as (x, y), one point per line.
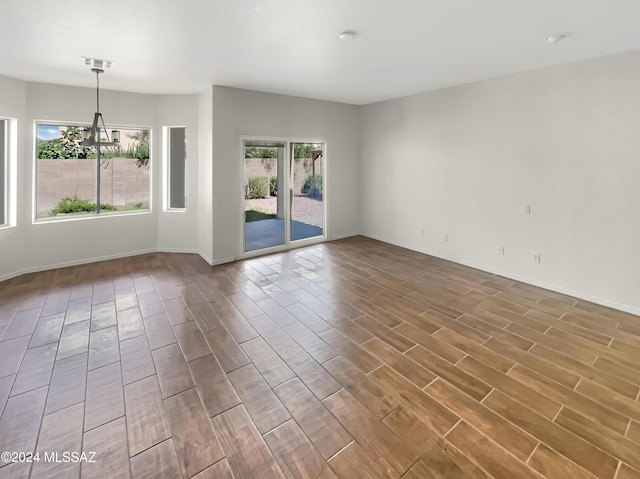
(422, 232)
(445, 237)
(526, 209)
(535, 257)
(501, 250)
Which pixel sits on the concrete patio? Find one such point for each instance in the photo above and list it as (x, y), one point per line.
(268, 233)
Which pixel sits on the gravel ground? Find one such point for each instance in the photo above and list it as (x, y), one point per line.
(305, 209)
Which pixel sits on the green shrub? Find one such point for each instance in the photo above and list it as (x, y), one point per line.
(140, 148)
(73, 204)
(273, 186)
(300, 150)
(258, 187)
(66, 147)
(307, 186)
(255, 152)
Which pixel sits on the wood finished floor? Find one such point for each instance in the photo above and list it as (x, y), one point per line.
(351, 359)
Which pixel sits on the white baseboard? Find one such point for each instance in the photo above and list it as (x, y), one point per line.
(342, 236)
(206, 258)
(524, 279)
(177, 250)
(96, 259)
(507, 274)
(216, 262)
(65, 264)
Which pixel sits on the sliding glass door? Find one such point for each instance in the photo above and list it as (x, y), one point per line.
(283, 194)
(264, 208)
(307, 207)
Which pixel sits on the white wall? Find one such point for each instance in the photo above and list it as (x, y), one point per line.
(178, 230)
(13, 105)
(463, 161)
(241, 112)
(53, 243)
(205, 175)
(30, 247)
(217, 117)
(460, 162)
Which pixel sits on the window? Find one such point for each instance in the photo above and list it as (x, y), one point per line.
(8, 166)
(3, 172)
(66, 172)
(175, 167)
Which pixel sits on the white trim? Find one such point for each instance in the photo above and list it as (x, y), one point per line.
(10, 187)
(39, 269)
(283, 248)
(343, 236)
(524, 279)
(34, 174)
(166, 170)
(288, 197)
(288, 164)
(264, 251)
(206, 258)
(4, 170)
(307, 241)
(240, 246)
(176, 250)
(216, 262)
(89, 216)
(221, 261)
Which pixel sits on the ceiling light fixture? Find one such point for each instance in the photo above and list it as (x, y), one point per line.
(553, 39)
(93, 136)
(347, 35)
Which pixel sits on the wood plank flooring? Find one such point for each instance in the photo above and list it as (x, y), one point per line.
(350, 359)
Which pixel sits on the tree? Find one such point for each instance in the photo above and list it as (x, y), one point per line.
(254, 152)
(300, 150)
(66, 147)
(139, 149)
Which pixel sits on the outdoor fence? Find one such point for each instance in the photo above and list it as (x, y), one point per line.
(122, 185)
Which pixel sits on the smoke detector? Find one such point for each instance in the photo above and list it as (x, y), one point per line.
(347, 35)
(97, 64)
(553, 39)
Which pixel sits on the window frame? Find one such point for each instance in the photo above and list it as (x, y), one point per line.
(87, 216)
(166, 177)
(9, 185)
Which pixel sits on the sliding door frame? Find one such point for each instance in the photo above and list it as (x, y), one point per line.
(288, 183)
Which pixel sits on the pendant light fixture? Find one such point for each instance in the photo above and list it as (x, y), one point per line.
(93, 136)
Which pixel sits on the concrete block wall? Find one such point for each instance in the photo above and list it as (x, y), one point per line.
(123, 184)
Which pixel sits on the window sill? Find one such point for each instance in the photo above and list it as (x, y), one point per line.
(63, 218)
